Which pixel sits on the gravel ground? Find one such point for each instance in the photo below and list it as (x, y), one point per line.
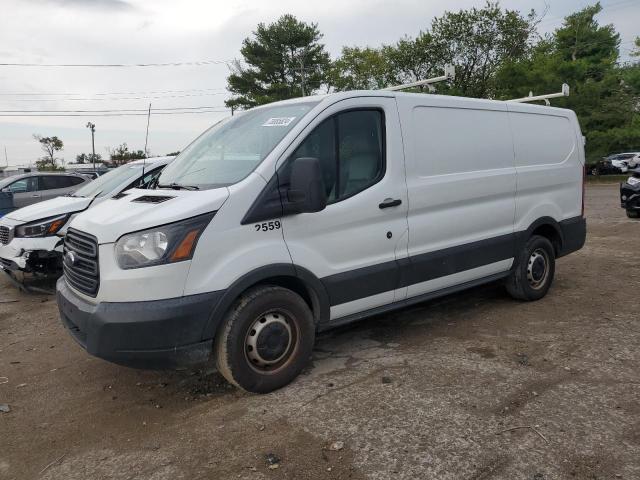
(472, 386)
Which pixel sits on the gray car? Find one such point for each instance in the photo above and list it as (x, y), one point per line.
(22, 190)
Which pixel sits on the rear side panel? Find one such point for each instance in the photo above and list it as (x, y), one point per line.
(549, 162)
(461, 181)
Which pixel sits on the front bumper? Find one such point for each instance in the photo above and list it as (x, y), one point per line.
(148, 334)
(30, 254)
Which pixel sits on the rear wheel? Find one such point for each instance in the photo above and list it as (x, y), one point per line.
(534, 270)
(266, 339)
(632, 214)
(595, 172)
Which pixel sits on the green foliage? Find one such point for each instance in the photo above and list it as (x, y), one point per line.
(476, 41)
(121, 154)
(359, 69)
(49, 145)
(44, 165)
(283, 60)
(173, 154)
(497, 54)
(88, 158)
(604, 95)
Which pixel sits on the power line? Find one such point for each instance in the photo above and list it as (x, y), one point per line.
(118, 65)
(115, 110)
(153, 92)
(147, 97)
(107, 114)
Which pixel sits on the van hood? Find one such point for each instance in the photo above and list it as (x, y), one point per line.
(137, 210)
(49, 208)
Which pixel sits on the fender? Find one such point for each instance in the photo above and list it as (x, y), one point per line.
(571, 233)
(523, 236)
(319, 296)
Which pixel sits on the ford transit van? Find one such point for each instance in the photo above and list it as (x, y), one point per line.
(295, 217)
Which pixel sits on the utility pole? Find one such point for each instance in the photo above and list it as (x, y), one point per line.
(302, 74)
(6, 158)
(146, 139)
(92, 127)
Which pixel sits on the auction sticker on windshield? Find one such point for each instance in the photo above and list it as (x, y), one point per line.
(278, 122)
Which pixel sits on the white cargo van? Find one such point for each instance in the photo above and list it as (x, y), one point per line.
(301, 215)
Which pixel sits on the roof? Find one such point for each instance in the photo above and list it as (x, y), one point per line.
(337, 96)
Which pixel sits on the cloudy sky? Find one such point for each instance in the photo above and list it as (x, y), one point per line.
(169, 31)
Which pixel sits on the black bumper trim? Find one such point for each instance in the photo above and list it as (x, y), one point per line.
(574, 234)
(149, 334)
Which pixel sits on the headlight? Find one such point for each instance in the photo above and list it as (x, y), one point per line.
(170, 243)
(42, 228)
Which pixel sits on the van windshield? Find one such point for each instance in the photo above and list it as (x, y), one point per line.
(233, 148)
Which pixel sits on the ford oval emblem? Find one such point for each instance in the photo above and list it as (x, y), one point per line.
(70, 259)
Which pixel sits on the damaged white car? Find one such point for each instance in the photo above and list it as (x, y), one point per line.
(31, 238)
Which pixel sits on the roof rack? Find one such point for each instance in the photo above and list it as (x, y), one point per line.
(531, 98)
(449, 74)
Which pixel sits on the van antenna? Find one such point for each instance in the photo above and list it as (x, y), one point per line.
(531, 98)
(449, 74)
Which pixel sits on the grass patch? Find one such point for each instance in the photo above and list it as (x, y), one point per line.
(606, 178)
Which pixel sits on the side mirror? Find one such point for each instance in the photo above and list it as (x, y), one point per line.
(306, 191)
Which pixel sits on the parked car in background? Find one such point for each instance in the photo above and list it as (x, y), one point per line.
(615, 164)
(31, 237)
(22, 190)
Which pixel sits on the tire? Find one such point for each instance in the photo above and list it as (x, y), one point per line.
(265, 339)
(534, 270)
(595, 172)
(632, 214)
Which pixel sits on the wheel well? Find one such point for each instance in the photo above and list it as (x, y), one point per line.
(298, 286)
(550, 233)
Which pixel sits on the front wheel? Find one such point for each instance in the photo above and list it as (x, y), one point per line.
(266, 339)
(534, 270)
(632, 214)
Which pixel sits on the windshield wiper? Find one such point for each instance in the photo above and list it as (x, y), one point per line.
(178, 186)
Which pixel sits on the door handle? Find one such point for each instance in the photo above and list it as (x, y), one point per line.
(390, 202)
(35, 196)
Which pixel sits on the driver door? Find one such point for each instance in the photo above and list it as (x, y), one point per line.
(354, 244)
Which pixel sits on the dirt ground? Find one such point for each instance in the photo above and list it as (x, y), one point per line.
(473, 386)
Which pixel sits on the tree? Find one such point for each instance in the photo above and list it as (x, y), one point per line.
(121, 154)
(360, 69)
(282, 60)
(49, 145)
(88, 158)
(476, 41)
(604, 95)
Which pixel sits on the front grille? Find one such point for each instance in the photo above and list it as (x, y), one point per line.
(5, 233)
(80, 262)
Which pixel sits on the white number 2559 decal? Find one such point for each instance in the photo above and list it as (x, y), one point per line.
(265, 226)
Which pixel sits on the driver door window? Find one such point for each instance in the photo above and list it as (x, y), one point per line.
(350, 147)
